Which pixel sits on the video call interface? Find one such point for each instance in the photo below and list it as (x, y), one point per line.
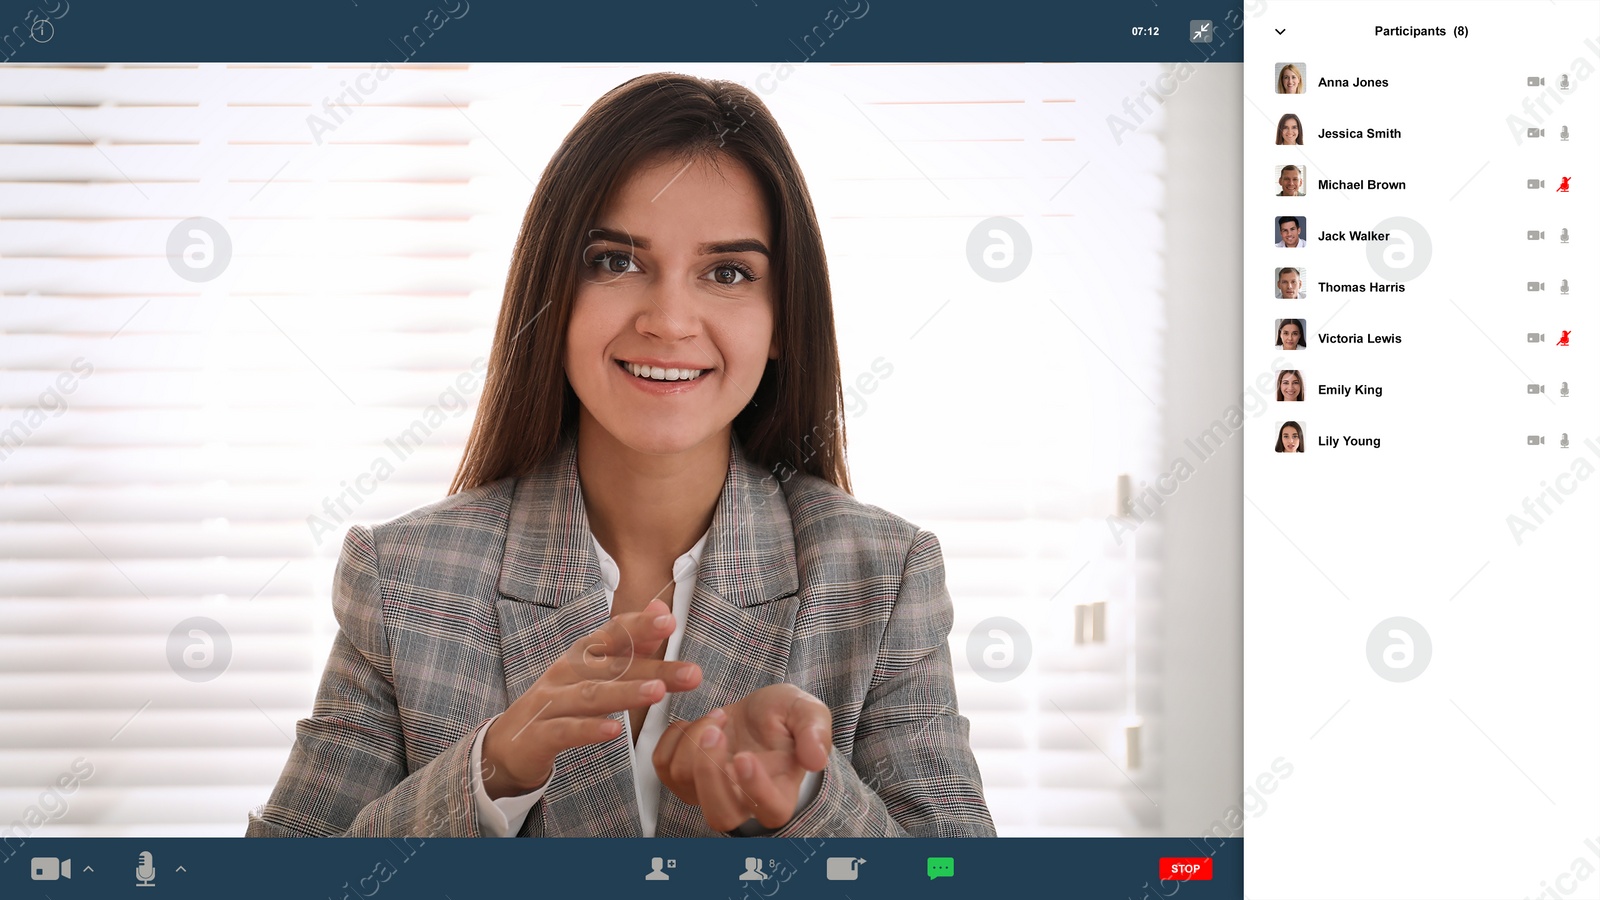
(828, 450)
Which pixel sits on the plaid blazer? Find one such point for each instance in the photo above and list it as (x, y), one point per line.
(451, 611)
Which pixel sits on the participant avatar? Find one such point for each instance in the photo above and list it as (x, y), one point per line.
(1290, 386)
(1291, 78)
(1290, 131)
(1289, 283)
(1292, 232)
(1291, 334)
(1291, 181)
(1290, 438)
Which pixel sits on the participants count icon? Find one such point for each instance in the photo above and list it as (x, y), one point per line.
(752, 870)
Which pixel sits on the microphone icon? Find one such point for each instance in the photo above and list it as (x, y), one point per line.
(146, 872)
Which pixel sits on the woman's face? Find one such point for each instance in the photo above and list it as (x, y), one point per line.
(1291, 439)
(1290, 81)
(1289, 384)
(1289, 335)
(672, 325)
(1290, 133)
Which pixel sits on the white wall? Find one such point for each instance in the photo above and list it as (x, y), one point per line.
(1203, 519)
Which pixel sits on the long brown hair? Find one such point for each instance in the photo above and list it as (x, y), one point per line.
(794, 421)
(1299, 129)
(1296, 374)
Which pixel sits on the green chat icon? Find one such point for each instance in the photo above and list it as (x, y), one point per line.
(941, 867)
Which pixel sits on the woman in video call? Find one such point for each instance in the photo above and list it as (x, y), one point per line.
(1289, 130)
(1290, 81)
(1290, 333)
(1289, 438)
(1289, 385)
(651, 605)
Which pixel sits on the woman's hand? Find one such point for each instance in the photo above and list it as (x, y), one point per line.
(603, 672)
(748, 758)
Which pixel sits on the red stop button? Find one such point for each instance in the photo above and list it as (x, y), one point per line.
(1185, 868)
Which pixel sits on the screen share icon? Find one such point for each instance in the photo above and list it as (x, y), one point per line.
(844, 868)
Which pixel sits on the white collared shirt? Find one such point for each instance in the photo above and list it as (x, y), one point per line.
(504, 817)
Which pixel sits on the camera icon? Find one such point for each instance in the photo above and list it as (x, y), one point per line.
(50, 868)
